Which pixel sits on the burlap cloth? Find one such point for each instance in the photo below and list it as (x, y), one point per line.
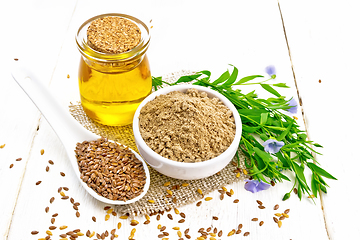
(157, 191)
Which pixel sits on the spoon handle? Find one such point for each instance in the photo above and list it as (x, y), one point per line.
(66, 127)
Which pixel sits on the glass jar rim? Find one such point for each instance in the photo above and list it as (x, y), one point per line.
(88, 52)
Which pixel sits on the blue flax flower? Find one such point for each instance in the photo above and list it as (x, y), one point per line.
(256, 186)
(272, 145)
(293, 105)
(271, 71)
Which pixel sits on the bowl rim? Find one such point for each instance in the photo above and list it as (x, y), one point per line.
(140, 141)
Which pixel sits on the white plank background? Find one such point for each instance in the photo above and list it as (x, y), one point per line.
(192, 35)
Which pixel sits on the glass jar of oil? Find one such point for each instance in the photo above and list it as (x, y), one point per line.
(113, 84)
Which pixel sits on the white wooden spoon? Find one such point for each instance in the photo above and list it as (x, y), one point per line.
(69, 131)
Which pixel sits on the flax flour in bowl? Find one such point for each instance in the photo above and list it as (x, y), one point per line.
(187, 131)
(187, 126)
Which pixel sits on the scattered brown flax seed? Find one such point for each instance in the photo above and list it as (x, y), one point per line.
(182, 215)
(236, 200)
(77, 214)
(121, 35)
(47, 168)
(47, 209)
(18, 159)
(261, 207)
(34, 232)
(287, 211)
(170, 216)
(52, 200)
(261, 223)
(181, 221)
(220, 233)
(295, 190)
(62, 174)
(52, 220)
(215, 218)
(198, 204)
(38, 182)
(246, 234)
(254, 219)
(276, 207)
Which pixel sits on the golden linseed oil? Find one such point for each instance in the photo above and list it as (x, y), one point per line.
(112, 98)
(113, 83)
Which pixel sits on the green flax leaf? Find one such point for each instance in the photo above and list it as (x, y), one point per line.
(222, 78)
(246, 79)
(232, 78)
(187, 78)
(320, 171)
(263, 118)
(284, 133)
(283, 85)
(314, 185)
(271, 90)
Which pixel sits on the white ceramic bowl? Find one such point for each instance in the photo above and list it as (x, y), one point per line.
(182, 170)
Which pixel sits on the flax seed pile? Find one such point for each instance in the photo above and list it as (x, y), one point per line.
(110, 169)
(160, 197)
(113, 35)
(187, 127)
